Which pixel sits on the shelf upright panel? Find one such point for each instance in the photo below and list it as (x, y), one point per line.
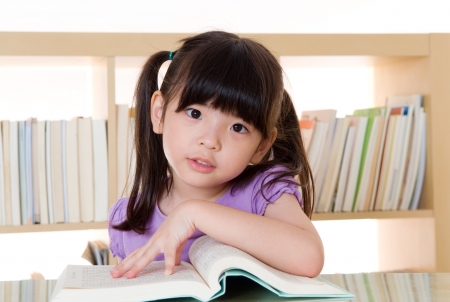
(112, 131)
(438, 153)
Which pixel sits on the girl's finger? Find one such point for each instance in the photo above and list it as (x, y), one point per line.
(170, 254)
(179, 253)
(140, 263)
(127, 263)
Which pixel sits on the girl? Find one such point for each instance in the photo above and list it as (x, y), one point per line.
(218, 152)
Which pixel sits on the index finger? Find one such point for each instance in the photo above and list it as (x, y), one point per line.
(135, 263)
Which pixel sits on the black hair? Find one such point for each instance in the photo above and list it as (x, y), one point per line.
(237, 76)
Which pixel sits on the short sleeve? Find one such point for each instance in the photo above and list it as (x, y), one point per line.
(117, 214)
(265, 194)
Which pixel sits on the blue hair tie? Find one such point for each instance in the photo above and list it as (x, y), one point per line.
(171, 55)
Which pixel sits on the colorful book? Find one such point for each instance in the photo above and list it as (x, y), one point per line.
(360, 124)
(343, 171)
(366, 185)
(414, 146)
(307, 132)
(370, 152)
(395, 161)
(389, 143)
(212, 263)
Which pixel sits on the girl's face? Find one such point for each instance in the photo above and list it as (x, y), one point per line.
(204, 147)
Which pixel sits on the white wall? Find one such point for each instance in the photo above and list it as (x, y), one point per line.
(282, 16)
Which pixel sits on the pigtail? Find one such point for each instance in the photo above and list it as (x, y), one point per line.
(288, 150)
(151, 164)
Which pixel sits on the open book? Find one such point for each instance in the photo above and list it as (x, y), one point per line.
(204, 280)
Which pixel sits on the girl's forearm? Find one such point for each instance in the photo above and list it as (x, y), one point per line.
(279, 244)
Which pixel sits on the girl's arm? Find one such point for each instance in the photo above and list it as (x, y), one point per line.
(283, 238)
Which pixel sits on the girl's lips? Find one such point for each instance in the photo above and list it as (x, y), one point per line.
(202, 168)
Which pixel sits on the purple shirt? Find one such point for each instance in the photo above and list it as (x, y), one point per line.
(248, 199)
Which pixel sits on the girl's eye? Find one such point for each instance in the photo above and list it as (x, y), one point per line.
(194, 113)
(239, 128)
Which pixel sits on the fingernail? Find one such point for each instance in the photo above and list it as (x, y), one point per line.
(167, 272)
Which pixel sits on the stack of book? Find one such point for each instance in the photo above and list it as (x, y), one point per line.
(53, 171)
(385, 286)
(372, 160)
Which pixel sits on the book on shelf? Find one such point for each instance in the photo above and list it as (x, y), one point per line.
(35, 170)
(393, 129)
(360, 124)
(64, 170)
(7, 172)
(30, 218)
(327, 116)
(212, 262)
(100, 156)
(96, 252)
(334, 163)
(41, 177)
(420, 175)
(48, 169)
(14, 172)
(317, 143)
(374, 161)
(2, 183)
(86, 169)
(367, 169)
(72, 176)
(307, 131)
(415, 141)
(22, 173)
(343, 173)
(56, 171)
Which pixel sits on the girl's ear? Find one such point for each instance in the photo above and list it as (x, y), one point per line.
(264, 147)
(156, 111)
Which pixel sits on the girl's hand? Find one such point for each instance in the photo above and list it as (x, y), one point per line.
(170, 239)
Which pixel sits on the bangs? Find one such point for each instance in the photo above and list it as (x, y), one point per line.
(226, 78)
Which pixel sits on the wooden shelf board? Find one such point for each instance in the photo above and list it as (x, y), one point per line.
(53, 227)
(373, 215)
(145, 44)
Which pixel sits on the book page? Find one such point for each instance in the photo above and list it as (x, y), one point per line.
(98, 276)
(211, 258)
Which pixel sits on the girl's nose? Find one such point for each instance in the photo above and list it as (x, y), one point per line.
(210, 139)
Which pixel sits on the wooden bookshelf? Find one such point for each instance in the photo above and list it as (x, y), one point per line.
(53, 227)
(403, 64)
(373, 215)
